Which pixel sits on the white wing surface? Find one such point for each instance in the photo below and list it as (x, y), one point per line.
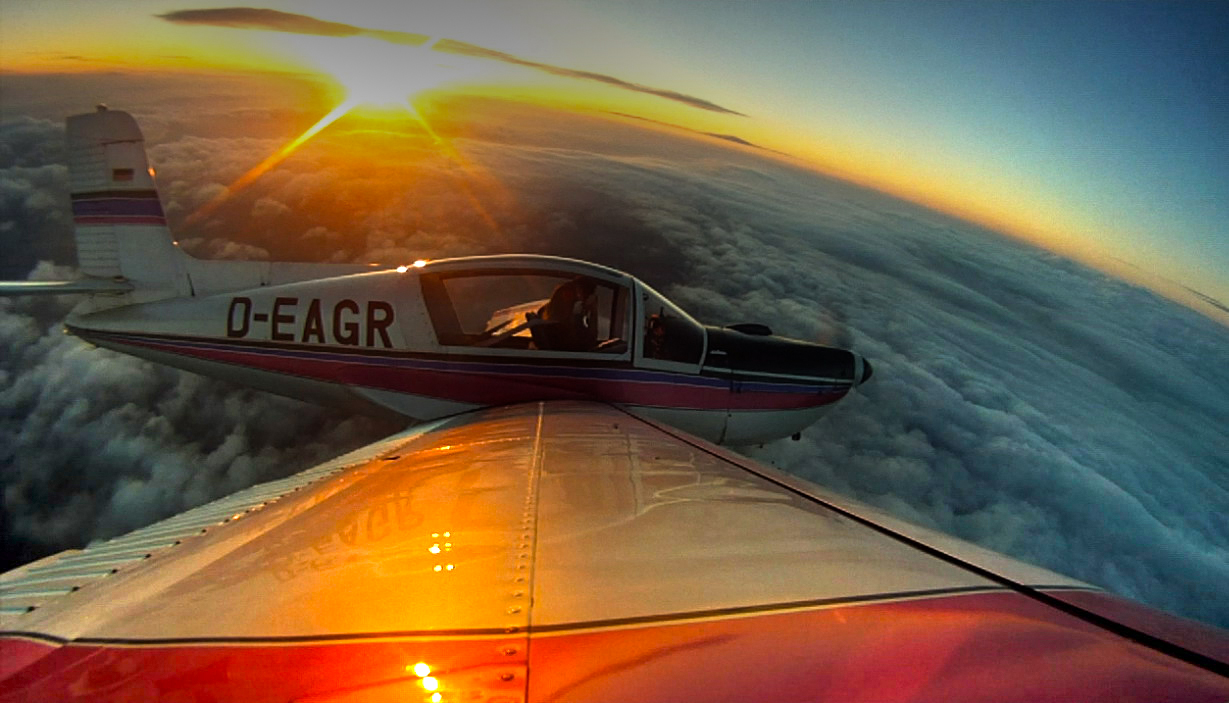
(569, 551)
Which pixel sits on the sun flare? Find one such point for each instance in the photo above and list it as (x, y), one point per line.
(375, 78)
(377, 74)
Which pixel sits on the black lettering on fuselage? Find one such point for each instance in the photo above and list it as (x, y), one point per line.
(353, 323)
(313, 324)
(238, 317)
(379, 323)
(280, 318)
(345, 332)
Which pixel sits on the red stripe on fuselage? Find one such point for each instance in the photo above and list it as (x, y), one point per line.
(485, 387)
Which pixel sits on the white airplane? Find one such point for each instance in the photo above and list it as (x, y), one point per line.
(558, 528)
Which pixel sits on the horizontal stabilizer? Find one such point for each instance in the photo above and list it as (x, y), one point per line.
(85, 285)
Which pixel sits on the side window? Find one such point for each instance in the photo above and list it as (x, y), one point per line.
(669, 333)
(547, 311)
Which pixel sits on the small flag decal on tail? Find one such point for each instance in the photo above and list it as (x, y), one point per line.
(121, 174)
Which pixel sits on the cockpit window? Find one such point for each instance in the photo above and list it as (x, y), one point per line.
(549, 311)
(669, 333)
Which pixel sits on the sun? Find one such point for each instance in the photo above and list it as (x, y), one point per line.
(378, 74)
(376, 77)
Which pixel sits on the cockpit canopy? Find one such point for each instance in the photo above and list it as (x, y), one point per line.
(556, 305)
(528, 309)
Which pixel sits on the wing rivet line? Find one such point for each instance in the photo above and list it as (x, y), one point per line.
(522, 541)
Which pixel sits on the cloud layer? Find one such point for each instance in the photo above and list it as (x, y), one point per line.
(1020, 400)
(96, 444)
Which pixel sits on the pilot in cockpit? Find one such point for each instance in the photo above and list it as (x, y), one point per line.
(571, 314)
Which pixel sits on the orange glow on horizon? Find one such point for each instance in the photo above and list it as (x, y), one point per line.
(366, 98)
(988, 201)
(376, 79)
(372, 79)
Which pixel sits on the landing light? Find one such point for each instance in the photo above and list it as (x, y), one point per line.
(420, 263)
(421, 669)
(402, 269)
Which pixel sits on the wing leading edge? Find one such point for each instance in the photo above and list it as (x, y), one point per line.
(569, 551)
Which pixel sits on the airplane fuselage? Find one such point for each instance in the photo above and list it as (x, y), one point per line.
(455, 335)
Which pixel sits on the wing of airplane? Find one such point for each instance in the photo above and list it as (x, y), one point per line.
(569, 551)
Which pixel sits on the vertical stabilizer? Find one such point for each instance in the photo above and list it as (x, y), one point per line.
(120, 227)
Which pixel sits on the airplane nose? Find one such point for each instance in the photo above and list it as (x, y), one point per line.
(866, 371)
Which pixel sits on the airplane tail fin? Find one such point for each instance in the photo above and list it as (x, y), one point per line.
(119, 223)
(123, 243)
